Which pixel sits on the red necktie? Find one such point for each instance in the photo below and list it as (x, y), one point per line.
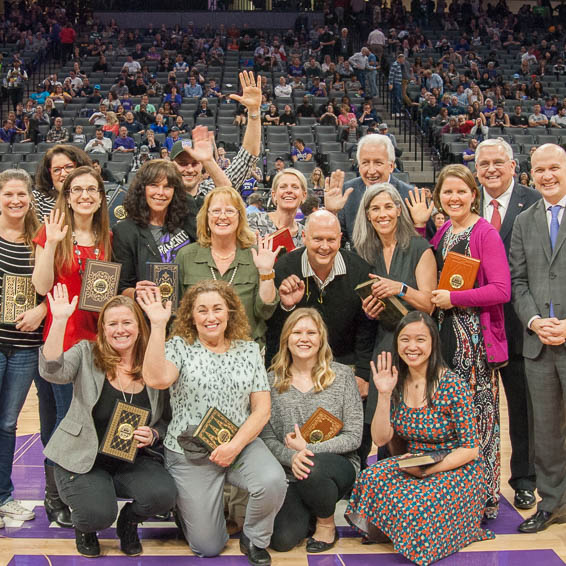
(495, 217)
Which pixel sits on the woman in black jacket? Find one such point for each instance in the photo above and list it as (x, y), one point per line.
(161, 219)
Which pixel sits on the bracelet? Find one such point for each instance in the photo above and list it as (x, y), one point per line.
(253, 116)
(267, 277)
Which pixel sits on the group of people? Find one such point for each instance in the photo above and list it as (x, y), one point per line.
(267, 339)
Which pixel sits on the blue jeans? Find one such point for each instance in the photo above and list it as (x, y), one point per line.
(371, 83)
(18, 367)
(396, 99)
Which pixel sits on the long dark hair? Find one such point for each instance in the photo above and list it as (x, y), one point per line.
(154, 171)
(436, 363)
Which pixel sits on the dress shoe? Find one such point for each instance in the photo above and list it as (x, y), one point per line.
(127, 531)
(87, 544)
(524, 499)
(256, 556)
(540, 521)
(315, 546)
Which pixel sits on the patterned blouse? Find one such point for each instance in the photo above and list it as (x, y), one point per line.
(208, 379)
(262, 222)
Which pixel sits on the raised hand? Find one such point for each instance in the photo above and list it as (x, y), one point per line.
(264, 257)
(55, 227)
(201, 149)
(291, 291)
(334, 200)
(61, 308)
(149, 299)
(419, 209)
(251, 92)
(385, 375)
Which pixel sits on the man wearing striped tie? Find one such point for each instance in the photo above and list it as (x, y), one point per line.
(502, 200)
(538, 273)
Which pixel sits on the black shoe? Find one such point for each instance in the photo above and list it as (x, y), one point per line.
(524, 499)
(314, 546)
(539, 522)
(87, 544)
(256, 556)
(58, 512)
(127, 531)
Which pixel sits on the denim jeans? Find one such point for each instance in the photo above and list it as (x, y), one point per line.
(396, 99)
(18, 367)
(371, 83)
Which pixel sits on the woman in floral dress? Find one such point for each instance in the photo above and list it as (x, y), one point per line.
(429, 512)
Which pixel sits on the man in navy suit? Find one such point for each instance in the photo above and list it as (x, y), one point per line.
(376, 161)
(502, 200)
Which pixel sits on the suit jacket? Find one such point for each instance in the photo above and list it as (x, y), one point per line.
(347, 215)
(537, 273)
(522, 198)
(74, 444)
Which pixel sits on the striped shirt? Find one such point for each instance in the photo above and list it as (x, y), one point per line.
(43, 204)
(15, 259)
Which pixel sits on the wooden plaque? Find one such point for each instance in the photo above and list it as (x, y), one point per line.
(119, 441)
(215, 429)
(100, 284)
(459, 272)
(18, 296)
(393, 308)
(284, 239)
(321, 426)
(166, 277)
(116, 210)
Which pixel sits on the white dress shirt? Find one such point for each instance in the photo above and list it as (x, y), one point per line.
(502, 199)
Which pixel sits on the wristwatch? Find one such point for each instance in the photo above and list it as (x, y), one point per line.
(404, 289)
(267, 276)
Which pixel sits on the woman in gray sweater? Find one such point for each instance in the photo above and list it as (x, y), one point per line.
(303, 377)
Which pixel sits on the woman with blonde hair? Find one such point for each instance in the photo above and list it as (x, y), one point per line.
(103, 371)
(112, 124)
(225, 251)
(316, 184)
(288, 192)
(304, 377)
(211, 361)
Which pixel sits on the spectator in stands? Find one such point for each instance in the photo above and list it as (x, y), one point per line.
(279, 165)
(499, 118)
(525, 179)
(104, 172)
(99, 144)
(328, 118)
(317, 182)
(143, 156)
(306, 109)
(283, 90)
(287, 118)
(395, 82)
(101, 65)
(549, 109)
(79, 136)
(150, 141)
(559, 120)
(112, 126)
(7, 132)
(203, 111)
(192, 88)
(255, 204)
(213, 90)
(123, 143)
(58, 134)
(469, 154)
(518, 119)
(537, 118)
(172, 138)
(367, 115)
(221, 159)
(15, 82)
(271, 117)
(300, 152)
(451, 127)
(346, 116)
(318, 87)
(67, 37)
(159, 126)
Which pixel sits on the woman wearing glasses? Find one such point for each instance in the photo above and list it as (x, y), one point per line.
(77, 229)
(160, 222)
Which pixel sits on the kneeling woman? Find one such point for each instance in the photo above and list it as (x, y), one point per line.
(103, 372)
(303, 378)
(211, 361)
(427, 512)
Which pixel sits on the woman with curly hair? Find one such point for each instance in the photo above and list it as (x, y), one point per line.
(160, 222)
(304, 377)
(211, 361)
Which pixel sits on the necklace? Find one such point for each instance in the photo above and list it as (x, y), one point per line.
(231, 278)
(122, 390)
(222, 258)
(78, 252)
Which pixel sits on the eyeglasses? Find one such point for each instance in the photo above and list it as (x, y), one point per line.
(67, 168)
(90, 191)
(499, 164)
(217, 212)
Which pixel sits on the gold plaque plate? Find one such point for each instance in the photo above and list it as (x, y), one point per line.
(18, 296)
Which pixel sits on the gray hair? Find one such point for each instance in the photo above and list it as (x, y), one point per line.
(378, 140)
(365, 238)
(495, 142)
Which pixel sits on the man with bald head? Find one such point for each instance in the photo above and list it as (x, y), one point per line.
(322, 276)
(538, 273)
(502, 200)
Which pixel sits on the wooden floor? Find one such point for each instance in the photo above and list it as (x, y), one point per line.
(553, 538)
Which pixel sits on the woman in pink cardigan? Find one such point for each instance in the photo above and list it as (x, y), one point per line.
(471, 322)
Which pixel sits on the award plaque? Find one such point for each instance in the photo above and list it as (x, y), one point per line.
(18, 296)
(459, 272)
(100, 283)
(215, 429)
(393, 308)
(321, 426)
(166, 277)
(284, 239)
(119, 441)
(116, 210)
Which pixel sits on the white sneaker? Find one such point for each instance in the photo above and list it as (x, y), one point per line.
(15, 510)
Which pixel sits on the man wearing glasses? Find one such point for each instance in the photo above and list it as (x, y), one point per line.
(502, 200)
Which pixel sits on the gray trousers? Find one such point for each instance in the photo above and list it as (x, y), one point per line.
(200, 485)
(546, 378)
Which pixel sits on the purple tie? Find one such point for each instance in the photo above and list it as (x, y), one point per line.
(554, 227)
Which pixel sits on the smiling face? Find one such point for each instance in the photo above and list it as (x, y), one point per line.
(383, 214)
(414, 345)
(223, 217)
(121, 329)
(494, 170)
(456, 198)
(210, 315)
(322, 240)
(159, 195)
(190, 169)
(83, 199)
(14, 199)
(304, 340)
(61, 166)
(289, 194)
(549, 172)
(375, 166)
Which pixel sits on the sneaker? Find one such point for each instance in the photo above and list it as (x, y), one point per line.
(87, 544)
(15, 510)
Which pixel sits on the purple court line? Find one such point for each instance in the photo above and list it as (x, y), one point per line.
(58, 560)
(26, 447)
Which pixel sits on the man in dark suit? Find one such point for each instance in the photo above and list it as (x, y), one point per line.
(538, 272)
(376, 161)
(502, 200)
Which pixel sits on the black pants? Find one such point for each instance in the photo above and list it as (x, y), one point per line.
(331, 477)
(92, 497)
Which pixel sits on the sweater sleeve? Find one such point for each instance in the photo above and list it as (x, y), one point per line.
(66, 367)
(283, 454)
(124, 252)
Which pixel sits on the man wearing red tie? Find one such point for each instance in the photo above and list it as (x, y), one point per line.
(502, 199)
